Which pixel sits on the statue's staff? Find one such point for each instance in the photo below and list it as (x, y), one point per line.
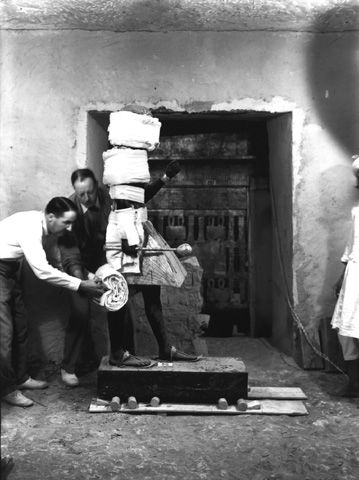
(182, 250)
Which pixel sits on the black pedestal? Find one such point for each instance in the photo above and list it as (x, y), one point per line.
(181, 382)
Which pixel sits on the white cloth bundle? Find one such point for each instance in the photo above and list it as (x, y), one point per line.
(125, 165)
(117, 295)
(125, 224)
(134, 130)
(127, 192)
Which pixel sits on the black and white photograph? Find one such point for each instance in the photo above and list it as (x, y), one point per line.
(179, 239)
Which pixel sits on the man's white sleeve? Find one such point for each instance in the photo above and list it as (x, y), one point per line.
(35, 255)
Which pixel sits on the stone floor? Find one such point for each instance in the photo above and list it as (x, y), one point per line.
(58, 439)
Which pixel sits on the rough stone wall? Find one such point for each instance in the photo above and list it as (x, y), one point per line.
(50, 79)
(185, 15)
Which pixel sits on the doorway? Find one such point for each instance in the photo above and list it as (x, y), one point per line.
(236, 167)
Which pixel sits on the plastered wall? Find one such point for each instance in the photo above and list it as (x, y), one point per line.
(50, 79)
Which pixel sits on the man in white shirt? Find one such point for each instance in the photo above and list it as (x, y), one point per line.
(21, 236)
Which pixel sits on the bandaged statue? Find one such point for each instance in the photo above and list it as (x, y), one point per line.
(133, 132)
(126, 173)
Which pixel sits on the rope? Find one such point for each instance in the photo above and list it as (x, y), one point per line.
(295, 316)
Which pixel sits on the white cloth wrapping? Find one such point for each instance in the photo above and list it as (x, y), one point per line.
(117, 295)
(346, 312)
(125, 224)
(134, 130)
(127, 192)
(125, 165)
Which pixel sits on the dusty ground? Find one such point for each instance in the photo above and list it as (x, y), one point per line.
(59, 440)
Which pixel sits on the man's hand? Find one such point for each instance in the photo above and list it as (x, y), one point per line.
(172, 169)
(92, 288)
(129, 250)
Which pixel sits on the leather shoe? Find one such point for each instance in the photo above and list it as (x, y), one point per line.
(32, 384)
(128, 360)
(69, 379)
(18, 399)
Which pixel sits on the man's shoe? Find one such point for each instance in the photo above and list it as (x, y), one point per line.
(69, 379)
(129, 360)
(175, 355)
(18, 399)
(32, 384)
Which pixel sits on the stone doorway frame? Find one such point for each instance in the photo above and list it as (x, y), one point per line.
(275, 110)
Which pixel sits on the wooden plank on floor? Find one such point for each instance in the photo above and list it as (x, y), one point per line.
(283, 407)
(276, 393)
(267, 407)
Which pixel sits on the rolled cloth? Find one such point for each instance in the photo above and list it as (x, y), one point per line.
(134, 130)
(125, 165)
(127, 192)
(117, 295)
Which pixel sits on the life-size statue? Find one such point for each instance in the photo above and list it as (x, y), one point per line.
(133, 132)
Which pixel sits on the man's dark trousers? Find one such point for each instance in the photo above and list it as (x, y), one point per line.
(13, 329)
(77, 331)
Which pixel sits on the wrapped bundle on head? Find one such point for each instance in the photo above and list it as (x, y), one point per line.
(134, 130)
(117, 295)
(124, 166)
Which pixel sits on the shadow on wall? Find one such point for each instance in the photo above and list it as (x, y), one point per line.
(332, 65)
(333, 68)
(334, 211)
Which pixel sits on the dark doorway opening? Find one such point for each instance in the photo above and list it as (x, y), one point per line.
(235, 166)
(208, 205)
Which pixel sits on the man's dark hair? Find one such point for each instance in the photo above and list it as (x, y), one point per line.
(59, 205)
(81, 174)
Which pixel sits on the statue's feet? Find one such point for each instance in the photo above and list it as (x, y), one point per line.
(175, 355)
(128, 360)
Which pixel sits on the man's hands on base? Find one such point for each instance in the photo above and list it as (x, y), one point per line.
(92, 288)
